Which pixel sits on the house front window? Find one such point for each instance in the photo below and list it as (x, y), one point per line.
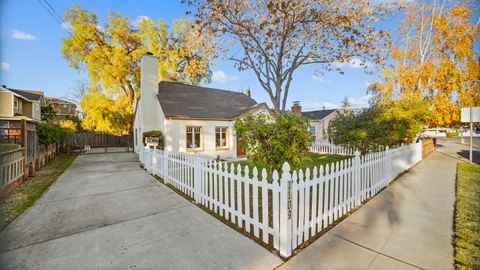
(312, 130)
(193, 138)
(221, 137)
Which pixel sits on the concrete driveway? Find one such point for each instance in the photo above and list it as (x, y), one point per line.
(106, 212)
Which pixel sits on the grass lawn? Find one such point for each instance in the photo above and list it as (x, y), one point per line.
(467, 217)
(4, 147)
(24, 196)
(314, 160)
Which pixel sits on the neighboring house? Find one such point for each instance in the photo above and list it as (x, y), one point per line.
(15, 106)
(65, 109)
(193, 119)
(319, 120)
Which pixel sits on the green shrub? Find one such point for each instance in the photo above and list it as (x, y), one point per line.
(49, 133)
(48, 112)
(379, 125)
(154, 134)
(453, 134)
(271, 141)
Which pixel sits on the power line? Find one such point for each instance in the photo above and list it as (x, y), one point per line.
(56, 16)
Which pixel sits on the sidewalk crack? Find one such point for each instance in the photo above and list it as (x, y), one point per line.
(377, 252)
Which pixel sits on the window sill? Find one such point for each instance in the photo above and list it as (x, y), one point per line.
(222, 148)
(195, 150)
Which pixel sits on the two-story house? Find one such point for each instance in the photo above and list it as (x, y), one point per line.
(15, 106)
(65, 109)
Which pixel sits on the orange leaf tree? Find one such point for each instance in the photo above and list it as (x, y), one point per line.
(434, 60)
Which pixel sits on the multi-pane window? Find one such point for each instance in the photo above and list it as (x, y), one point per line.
(220, 137)
(193, 137)
(312, 130)
(17, 106)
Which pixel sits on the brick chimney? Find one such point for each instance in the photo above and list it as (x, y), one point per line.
(296, 108)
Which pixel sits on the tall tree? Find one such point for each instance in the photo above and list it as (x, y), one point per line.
(111, 54)
(275, 38)
(434, 60)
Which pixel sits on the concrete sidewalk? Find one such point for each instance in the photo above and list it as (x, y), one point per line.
(105, 212)
(406, 226)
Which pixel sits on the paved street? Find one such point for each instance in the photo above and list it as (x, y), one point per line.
(406, 226)
(454, 148)
(105, 212)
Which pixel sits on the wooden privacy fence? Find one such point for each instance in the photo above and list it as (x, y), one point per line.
(283, 210)
(99, 142)
(326, 147)
(12, 165)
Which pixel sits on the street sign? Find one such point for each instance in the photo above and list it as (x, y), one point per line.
(471, 114)
(465, 116)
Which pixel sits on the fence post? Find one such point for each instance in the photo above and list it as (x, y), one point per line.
(286, 211)
(165, 167)
(150, 156)
(154, 161)
(388, 168)
(357, 177)
(196, 178)
(419, 149)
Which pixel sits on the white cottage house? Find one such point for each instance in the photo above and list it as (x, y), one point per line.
(319, 120)
(193, 119)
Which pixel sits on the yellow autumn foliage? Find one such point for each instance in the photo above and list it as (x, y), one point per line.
(434, 59)
(110, 54)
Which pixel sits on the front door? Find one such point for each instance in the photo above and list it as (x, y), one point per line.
(240, 152)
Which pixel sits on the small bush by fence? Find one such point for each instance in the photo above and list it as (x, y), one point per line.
(290, 207)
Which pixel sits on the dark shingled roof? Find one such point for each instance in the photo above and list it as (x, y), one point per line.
(318, 115)
(191, 101)
(28, 94)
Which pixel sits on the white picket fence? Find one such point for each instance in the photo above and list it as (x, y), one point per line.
(326, 147)
(289, 208)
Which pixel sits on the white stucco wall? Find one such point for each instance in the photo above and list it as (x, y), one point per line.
(321, 126)
(149, 114)
(176, 137)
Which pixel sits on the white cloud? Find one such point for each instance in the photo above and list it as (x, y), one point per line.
(321, 79)
(356, 102)
(67, 26)
(329, 105)
(17, 34)
(139, 19)
(5, 66)
(351, 63)
(142, 17)
(310, 106)
(220, 77)
(360, 102)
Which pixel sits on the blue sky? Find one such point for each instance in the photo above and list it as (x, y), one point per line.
(31, 42)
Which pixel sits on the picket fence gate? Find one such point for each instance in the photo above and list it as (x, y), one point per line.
(283, 210)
